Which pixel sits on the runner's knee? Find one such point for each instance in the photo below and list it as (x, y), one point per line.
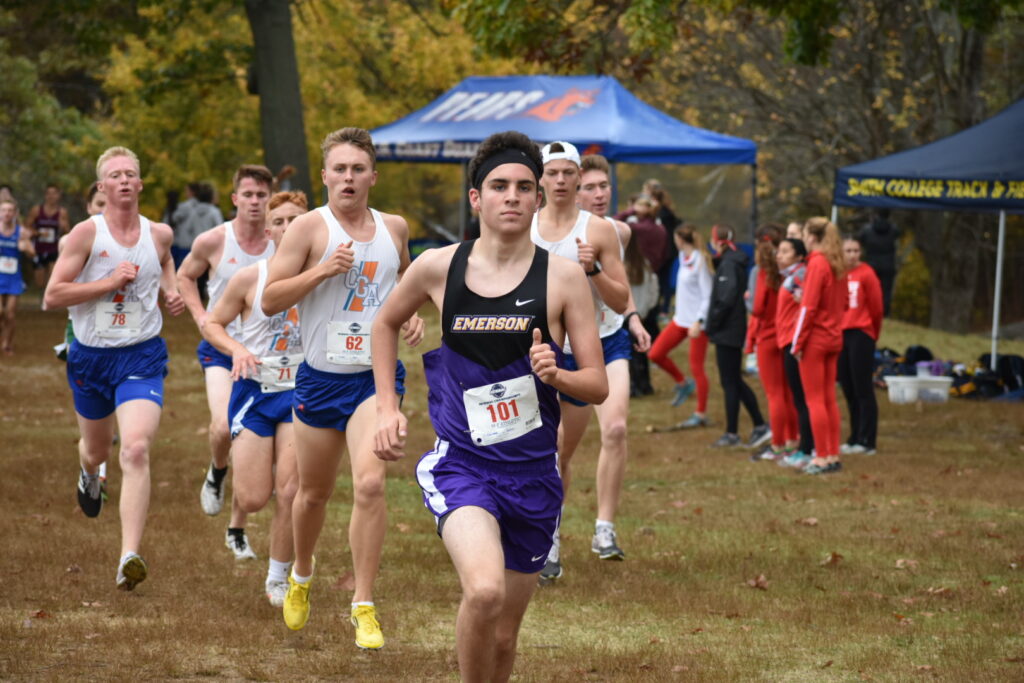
(135, 454)
(369, 486)
(614, 433)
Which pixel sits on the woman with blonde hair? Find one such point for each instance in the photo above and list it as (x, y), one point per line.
(818, 339)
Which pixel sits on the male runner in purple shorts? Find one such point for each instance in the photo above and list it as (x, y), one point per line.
(492, 479)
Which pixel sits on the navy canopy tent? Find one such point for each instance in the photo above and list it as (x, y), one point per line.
(979, 169)
(595, 113)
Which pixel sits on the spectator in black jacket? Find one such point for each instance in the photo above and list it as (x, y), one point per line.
(726, 327)
(879, 239)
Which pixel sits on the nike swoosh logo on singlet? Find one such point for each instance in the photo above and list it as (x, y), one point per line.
(523, 303)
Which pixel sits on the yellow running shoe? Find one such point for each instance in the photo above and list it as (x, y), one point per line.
(368, 633)
(296, 604)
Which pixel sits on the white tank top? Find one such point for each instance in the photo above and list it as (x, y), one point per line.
(269, 335)
(130, 315)
(232, 259)
(608, 321)
(567, 247)
(275, 339)
(337, 315)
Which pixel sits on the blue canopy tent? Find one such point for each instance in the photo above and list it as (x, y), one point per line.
(978, 169)
(595, 113)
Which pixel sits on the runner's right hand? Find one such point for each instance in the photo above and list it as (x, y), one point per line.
(244, 365)
(340, 261)
(123, 274)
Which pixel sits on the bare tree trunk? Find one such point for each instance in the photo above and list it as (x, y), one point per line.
(277, 83)
(950, 243)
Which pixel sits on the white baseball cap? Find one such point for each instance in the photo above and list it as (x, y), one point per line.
(568, 152)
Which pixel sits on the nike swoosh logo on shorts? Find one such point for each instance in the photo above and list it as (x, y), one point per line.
(155, 394)
(135, 377)
(523, 303)
(534, 559)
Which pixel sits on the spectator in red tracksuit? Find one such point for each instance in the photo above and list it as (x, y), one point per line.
(818, 339)
(862, 324)
(762, 336)
(791, 259)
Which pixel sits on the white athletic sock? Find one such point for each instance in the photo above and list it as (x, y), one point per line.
(362, 604)
(277, 571)
(300, 579)
(603, 524)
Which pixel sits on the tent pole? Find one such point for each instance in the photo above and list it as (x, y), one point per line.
(464, 201)
(1000, 248)
(835, 215)
(753, 202)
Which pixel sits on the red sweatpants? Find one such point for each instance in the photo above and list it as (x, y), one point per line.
(818, 376)
(668, 339)
(781, 408)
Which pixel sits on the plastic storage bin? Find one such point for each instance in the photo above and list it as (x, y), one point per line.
(910, 389)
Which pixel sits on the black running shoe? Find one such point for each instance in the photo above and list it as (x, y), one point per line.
(91, 494)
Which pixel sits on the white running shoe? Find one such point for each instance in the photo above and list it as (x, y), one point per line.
(276, 590)
(239, 545)
(211, 496)
(605, 545)
(131, 572)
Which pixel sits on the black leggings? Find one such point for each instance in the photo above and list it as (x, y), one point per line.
(856, 364)
(792, 368)
(730, 363)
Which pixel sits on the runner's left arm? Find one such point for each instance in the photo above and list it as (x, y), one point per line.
(413, 328)
(168, 280)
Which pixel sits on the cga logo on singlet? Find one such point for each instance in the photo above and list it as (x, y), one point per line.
(363, 291)
(285, 327)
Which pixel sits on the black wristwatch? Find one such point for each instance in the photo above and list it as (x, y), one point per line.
(595, 271)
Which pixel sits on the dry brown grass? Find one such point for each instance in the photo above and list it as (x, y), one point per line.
(928, 584)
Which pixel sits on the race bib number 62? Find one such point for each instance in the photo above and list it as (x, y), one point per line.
(348, 342)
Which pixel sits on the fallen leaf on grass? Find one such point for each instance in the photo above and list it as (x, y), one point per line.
(924, 667)
(92, 604)
(760, 582)
(654, 640)
(696, 630)
(679, 503)
(939, 591)
(402, 527)
(645, 667)
(73, 569)
(201, 431)
(989, 534)
(832, 560)
(680, 668)
(345, 582)
(1015, 660)
(1003, 590)
(90, 636)
(698, 511)
(788, 498)
(163, 484)
(906, 564)
(744, 627)
(826, 664)
(808, 521)
(40, 614)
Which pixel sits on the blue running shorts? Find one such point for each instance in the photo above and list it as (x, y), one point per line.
(524, 497)
(210, 357)
(328, 399)
(616, 346)
(103, 378)
(260, 413)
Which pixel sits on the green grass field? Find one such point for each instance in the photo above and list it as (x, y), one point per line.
(905, 566)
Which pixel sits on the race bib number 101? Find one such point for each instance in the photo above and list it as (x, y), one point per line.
(348, 343)
(502, 411)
